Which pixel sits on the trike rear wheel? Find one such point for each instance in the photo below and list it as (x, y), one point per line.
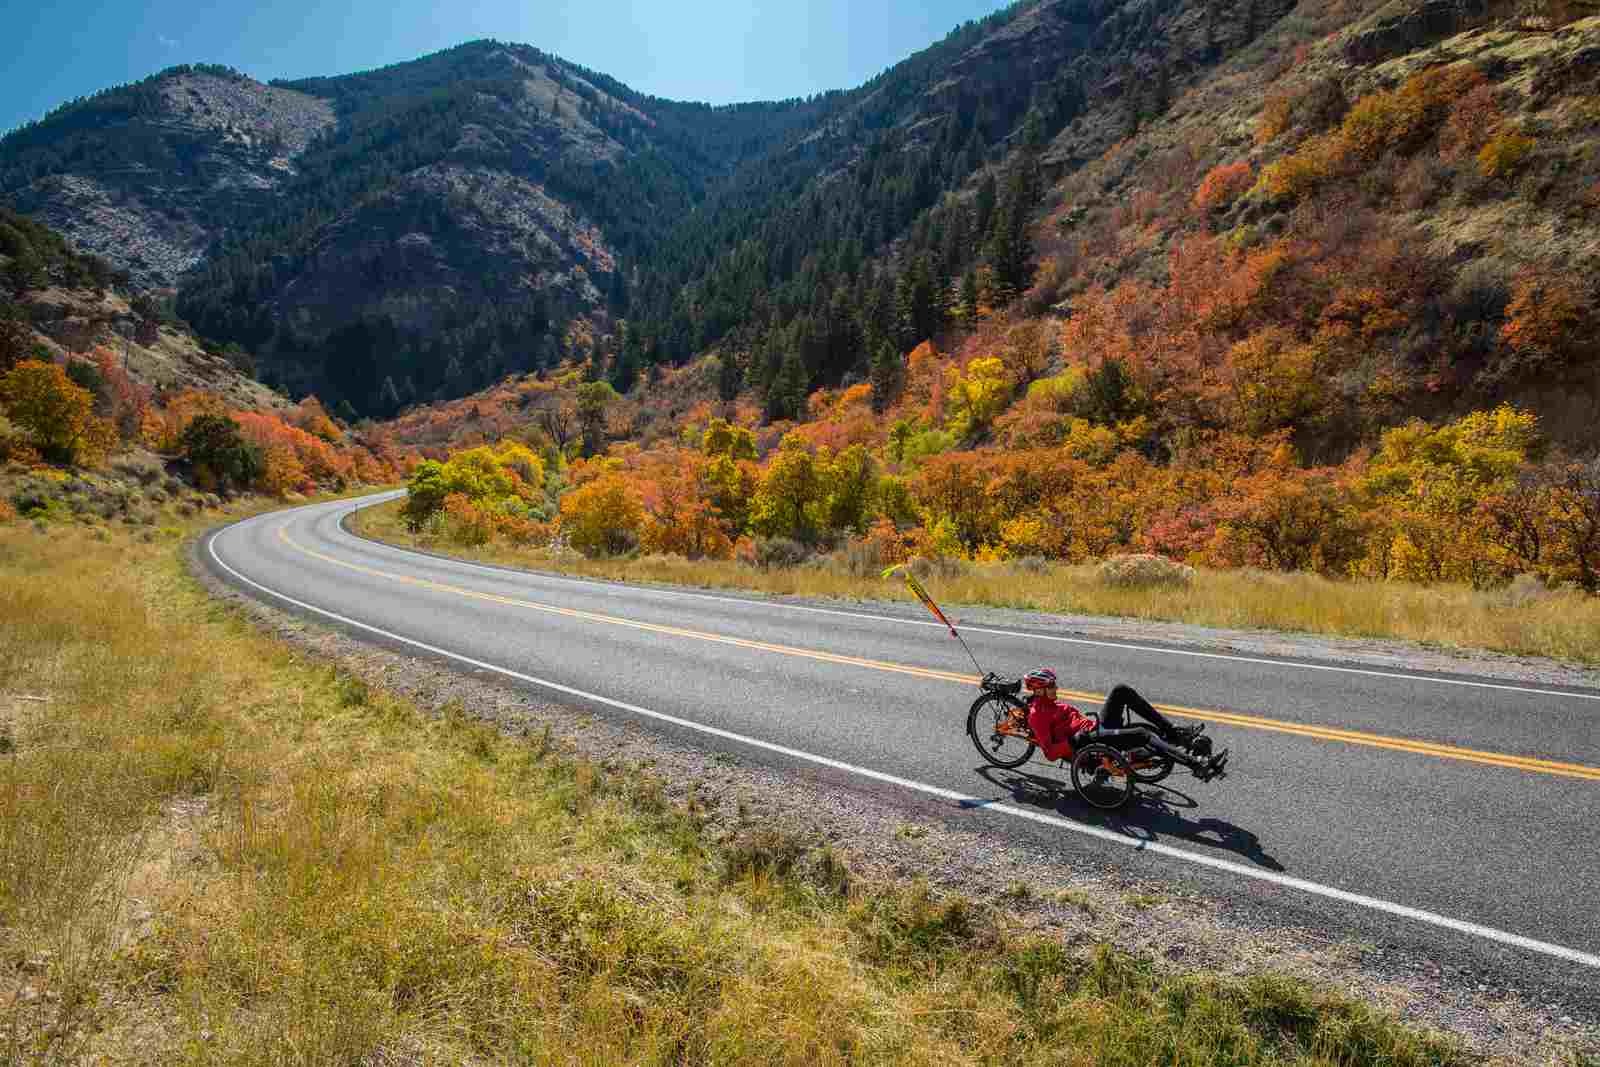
(1102, 776)
(1152, 769)
(997, 725)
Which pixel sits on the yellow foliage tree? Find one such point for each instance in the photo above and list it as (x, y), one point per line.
(722, 439)
(1303, 170)
(976, 397)
(1275, 381)
(1425, 488)
(784, 504)
(1505, 153)
(603, 517)
(848, 482)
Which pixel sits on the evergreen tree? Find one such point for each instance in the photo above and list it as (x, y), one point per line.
(1033, 131)
(1107, 393)
(969, 296)
(983, 207)
(769, 360)
(625, 368)
(886, 377)
(1132, 114)
(842, 335)
(389, 396)
(617, 292)
(592, 400)
(786, 399)
(16, 336)
(1010, 246)
(972, 156)
(1162, 98)
(729, 378)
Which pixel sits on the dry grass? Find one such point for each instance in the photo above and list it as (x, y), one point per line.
(214, 850)
(1522, 620)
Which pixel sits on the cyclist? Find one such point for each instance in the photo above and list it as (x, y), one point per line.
(1059, 726)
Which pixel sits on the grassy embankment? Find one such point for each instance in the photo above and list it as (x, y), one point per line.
(1522, 620)
(212, 848)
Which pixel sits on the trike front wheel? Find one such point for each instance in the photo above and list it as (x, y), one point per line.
(998, 727)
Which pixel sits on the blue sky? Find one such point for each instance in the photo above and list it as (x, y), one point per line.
(757, 50)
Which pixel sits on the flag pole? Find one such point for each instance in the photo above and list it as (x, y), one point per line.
(927, 602)
(970, 656)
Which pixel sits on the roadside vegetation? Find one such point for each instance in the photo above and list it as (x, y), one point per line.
(1522, 618)
(1304, 317)
(214, 848)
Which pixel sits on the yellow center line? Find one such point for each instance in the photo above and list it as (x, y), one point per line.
(1255, 722)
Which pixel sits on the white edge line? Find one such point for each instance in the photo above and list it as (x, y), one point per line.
(1404, 911)
(668, 593)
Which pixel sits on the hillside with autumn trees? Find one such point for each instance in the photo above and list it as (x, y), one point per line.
(1234, 285)
(1330, 308)
(113, 410)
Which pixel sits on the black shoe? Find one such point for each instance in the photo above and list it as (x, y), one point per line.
(1201, 748)
(1215, 767)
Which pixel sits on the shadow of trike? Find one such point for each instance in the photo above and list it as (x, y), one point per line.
(1155, 813)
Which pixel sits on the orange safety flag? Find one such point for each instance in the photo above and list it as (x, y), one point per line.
(922, 594)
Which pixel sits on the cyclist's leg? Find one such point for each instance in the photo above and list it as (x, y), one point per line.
(1133, 737)
(1124, 697)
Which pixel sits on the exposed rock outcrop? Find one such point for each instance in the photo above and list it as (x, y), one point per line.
(1402, 28)
(211, 156)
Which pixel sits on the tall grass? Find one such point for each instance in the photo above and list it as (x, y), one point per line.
(213, 849)
(1522, 620)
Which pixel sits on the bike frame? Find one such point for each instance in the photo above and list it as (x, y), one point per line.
(1025, 733)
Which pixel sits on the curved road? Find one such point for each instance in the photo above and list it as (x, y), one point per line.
(1449, 816)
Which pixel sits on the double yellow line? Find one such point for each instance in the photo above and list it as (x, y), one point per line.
(1254, 722)
(1397, 744)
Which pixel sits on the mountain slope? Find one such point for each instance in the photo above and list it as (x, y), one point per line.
(423, 229)
(468, 205)
(148, 175)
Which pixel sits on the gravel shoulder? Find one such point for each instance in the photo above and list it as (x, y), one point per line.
(1187, 932)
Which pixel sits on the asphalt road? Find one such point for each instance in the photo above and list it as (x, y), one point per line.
(1460, 824)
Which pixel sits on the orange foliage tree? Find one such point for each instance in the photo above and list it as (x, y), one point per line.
(1547, 320)
(1290, 519)
(604, 516)
(679, 514)
(55, 413)
(164, 425)
(1222, 185)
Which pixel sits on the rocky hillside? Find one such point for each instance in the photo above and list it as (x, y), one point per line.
(164, 355)
(465, 208)
(148, 176)
(56, 303)
(1409, 194)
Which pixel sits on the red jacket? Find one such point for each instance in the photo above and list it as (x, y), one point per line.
(1055, 724)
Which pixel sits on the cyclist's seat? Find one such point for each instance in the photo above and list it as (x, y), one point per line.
(996, 684)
